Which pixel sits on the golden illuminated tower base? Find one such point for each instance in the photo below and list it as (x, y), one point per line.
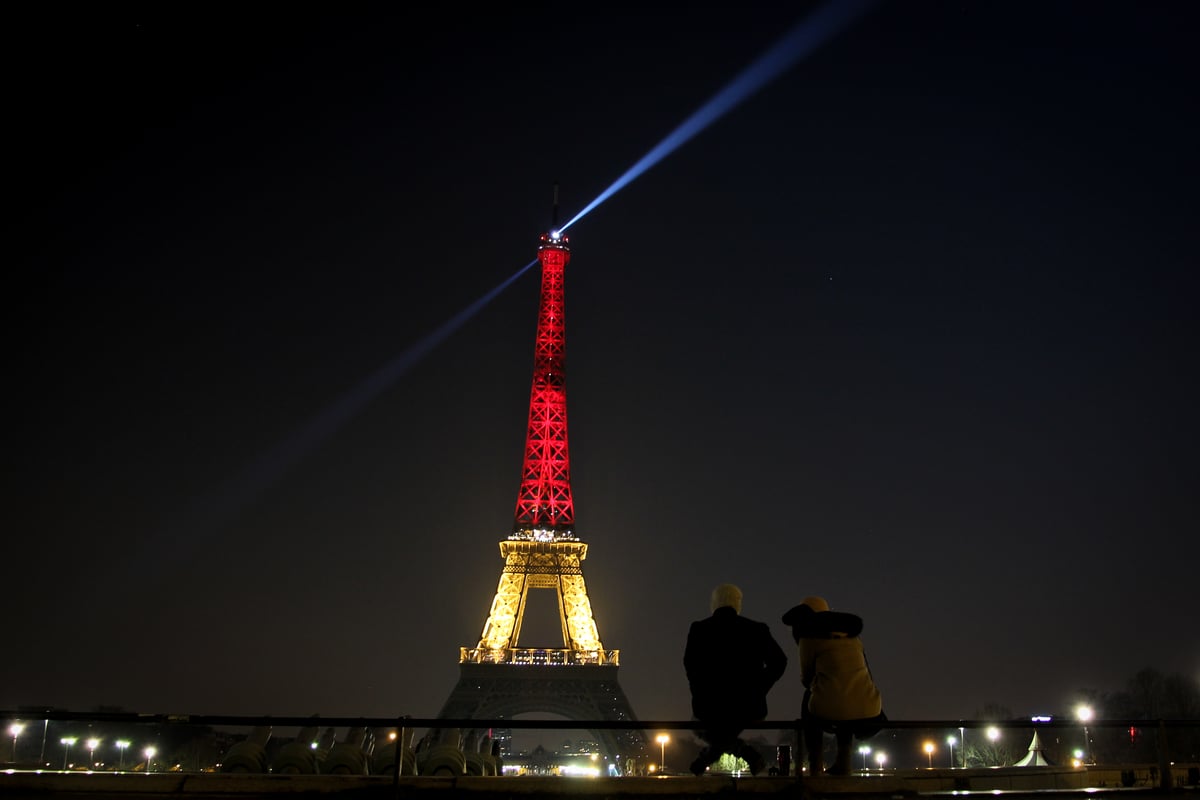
(498, 679)
(541, 565)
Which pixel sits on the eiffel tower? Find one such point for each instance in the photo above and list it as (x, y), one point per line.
(499, 679)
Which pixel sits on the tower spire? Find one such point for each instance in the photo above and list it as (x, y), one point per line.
(545, 510)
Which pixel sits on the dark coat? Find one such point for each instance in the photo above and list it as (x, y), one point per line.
(731, 663)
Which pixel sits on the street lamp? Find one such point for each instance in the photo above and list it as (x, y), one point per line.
(67, 741)
(962, 737)
(92, 744)
(863, 750)
(662, 740)
(121, 745)
(149, 753)
(993, 734)
(950, 742)
(929, 753)
(1084, 713)
(15, 731)
(880, 758)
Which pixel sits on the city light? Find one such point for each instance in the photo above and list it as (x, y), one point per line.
(1084, 713)
(993, 734)
(66, 742)
(863, 750)
(149, 752)
(880, 758)
(575, 771)
(92, 744)
(950, 742)
(929, 748)
(662, 740)
(14, 730)
(121, 745)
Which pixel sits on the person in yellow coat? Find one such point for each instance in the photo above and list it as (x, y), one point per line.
(840, 694)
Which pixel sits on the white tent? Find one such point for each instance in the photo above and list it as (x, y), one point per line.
(1034, 757)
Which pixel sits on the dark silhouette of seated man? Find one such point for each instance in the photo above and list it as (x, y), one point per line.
(731, 663)
(840, 695)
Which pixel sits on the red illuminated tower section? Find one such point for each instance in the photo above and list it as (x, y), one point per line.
(575, 678)
(545, 510)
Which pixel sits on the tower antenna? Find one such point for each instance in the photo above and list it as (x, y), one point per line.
(554, 213)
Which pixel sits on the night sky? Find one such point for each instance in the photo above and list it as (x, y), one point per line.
(912, 328)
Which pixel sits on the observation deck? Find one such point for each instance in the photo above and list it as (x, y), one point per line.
(538, 656)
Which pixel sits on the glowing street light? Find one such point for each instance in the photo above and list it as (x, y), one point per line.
(149, 752)
(14, 730)
(880, 758)
(1084, 714)
(929, 752)
(993, 734)
(67, 741)
(92, 744)
(950, 742)
(662, 740)
(862, 751)
(121, 745)
(962, 737)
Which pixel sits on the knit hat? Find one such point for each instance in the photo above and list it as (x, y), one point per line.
(727, 595)
(817, 604)
(800, 616)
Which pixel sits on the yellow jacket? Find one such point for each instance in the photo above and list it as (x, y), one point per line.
(835, 672)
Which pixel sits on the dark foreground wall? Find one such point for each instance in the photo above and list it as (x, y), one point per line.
(216, 786)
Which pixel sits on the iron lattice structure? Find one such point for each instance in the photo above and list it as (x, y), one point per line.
(544, 505)
(498, 678)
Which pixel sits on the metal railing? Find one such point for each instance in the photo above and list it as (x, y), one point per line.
(1165, 749)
